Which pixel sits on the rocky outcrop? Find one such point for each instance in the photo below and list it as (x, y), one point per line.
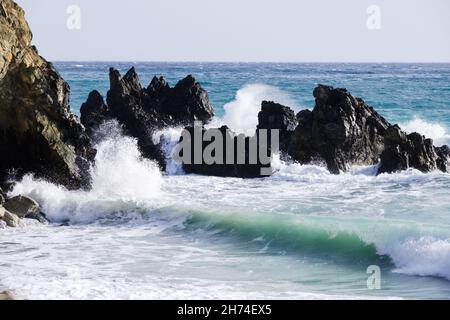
(38, 133)
(141, 111)
(403, 151)
(341, 131)
(277, 116)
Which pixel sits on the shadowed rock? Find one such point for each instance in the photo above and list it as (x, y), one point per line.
(94, 111)
(277, 116)
(443, 160)
(341, 130)
(38, 133)
(403, 151)
(143, 111)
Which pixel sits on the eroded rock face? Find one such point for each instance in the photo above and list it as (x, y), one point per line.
(341, 130)
(38, 133)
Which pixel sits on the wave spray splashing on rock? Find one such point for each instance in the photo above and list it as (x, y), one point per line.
(121, 181)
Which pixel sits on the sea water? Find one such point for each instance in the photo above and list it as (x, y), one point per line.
(301, 233)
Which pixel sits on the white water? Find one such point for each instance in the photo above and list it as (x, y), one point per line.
(141, 234)
(435, 131)
(121, 180)
(241, 114)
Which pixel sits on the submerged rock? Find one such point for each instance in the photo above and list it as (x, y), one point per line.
(38, 133)
(341, 130)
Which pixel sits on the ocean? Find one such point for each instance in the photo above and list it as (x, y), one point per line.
(299, 234)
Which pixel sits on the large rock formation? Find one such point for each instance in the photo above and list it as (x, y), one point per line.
(341, 130)
(141, 111)
(38, 133)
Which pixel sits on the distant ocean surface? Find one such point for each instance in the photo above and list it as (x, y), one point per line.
(299, 234)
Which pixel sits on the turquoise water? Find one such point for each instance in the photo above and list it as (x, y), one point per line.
(299, 234)
(400, 92)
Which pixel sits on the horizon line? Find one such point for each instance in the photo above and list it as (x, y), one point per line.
(255, 62)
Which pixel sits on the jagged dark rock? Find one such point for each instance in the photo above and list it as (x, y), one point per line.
(277, 116)
(403, 151)
(243, 169)
(125, 104)
(143, 111)
(186, 102)
(341, 130)
(38, 133)
(94, 111)
(443, 160)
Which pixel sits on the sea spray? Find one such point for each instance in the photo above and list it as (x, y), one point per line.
(435, 131)
(241, 114)
(121, 179)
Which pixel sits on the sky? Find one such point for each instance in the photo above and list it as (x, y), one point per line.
(241, 30)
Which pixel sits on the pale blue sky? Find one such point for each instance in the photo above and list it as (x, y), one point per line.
(242, 30)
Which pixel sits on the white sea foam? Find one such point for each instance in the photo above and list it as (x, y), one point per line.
(120, 179)
(435, 131)
(169, 138)
(241, 114)
(425, 256)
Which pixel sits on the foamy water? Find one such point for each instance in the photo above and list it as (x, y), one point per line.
(299, 234)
